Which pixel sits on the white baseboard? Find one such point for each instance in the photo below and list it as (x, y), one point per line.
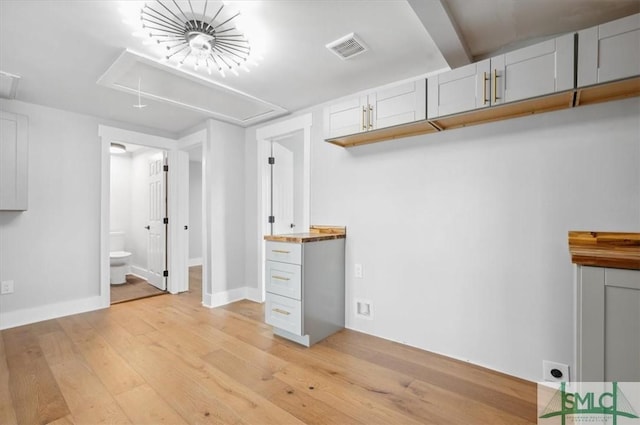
(227, 297)
(26, 316)
(195, 262)
(140, 272)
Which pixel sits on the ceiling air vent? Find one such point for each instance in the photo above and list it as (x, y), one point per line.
(347, 47)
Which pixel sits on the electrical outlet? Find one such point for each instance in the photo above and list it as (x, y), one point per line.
(364, 309)
(555, 372)
(6, 287)
(357, 271)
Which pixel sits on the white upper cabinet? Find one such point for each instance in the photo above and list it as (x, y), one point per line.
(532, 71)
(383, 108)
(609, 51)
(462, 89)
(13, 162)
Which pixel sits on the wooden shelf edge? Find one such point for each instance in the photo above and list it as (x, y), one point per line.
(605, 249)
(606, 92)
(399, 131)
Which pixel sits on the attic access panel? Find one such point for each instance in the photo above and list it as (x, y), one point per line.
(166, 84)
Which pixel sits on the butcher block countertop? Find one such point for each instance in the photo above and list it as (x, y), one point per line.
(605, 249)
(315, 234)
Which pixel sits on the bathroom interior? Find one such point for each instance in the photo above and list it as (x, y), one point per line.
(133, 255)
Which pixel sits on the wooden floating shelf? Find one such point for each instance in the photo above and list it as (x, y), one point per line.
(395, 132)
(605, 249)
(536, 105)
(605, 92)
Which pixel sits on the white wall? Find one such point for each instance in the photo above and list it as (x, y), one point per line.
(224, 199)
(195, 212)
(120, 194)
(463, 235)
(51, 250)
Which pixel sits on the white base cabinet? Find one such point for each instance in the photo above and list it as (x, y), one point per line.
(305, 290)
(13, 161)
(608, 324)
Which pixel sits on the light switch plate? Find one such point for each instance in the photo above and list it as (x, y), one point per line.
(6, 287)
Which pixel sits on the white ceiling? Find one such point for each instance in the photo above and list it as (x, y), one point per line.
(60, 49)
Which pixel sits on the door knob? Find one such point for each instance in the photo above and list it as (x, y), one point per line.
(186, 227)
(147, 227)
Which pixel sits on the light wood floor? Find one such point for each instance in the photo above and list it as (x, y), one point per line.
(135, 288)
(167, 360)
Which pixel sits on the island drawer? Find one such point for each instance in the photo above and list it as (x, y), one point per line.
(283, 313)
(284, 279)
(284, 252)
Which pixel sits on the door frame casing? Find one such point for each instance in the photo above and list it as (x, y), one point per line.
(107, 134)
(264, 136)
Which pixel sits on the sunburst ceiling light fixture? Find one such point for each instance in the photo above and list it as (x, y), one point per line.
(195, 38)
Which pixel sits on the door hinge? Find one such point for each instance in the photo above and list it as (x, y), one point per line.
(165, 220)
(272, 160)
(165, 168)
(272, 219)
(165, 273)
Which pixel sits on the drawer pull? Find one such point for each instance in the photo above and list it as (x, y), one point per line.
(277, 310)
(279, 251)
(280, 278)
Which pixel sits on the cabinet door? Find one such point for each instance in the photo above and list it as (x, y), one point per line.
(609, 52)
(543, 68)
(397, 105)
(349, 116)
(462, 89)
(13, 161)
(622, 325)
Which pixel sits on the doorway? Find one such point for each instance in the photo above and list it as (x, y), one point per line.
(293, 135)
(175, 272)
(138, 233)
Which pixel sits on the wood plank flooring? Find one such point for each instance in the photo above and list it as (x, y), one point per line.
(168, 360)
(134, 289)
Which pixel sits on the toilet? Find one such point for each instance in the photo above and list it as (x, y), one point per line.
(119, 259)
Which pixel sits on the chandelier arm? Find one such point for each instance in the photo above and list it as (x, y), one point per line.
(228, 20)
(215, 61)
(235, 49)
(215, 16)
(161, 29)
(230, 54)
(186, 55)
(177, 51)
(168, 35)
(223, 31)
(173, 40)
(182, 43)
(222, 59)
(170, 11)
(193, 13)
(218, 35)
(161, 23)
(204, 13)
(185, 16)
(162, 17)
(232, 43)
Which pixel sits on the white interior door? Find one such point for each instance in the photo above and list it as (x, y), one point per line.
(156, 240)
(282, 188)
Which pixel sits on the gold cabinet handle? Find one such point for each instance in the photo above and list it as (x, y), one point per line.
(370, 117)
(280, 278)
(277, 310)
(495, 86)
(484, 88)
(364, 122)
(279, 251)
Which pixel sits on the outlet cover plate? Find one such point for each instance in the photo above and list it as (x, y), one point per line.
(548, 366)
